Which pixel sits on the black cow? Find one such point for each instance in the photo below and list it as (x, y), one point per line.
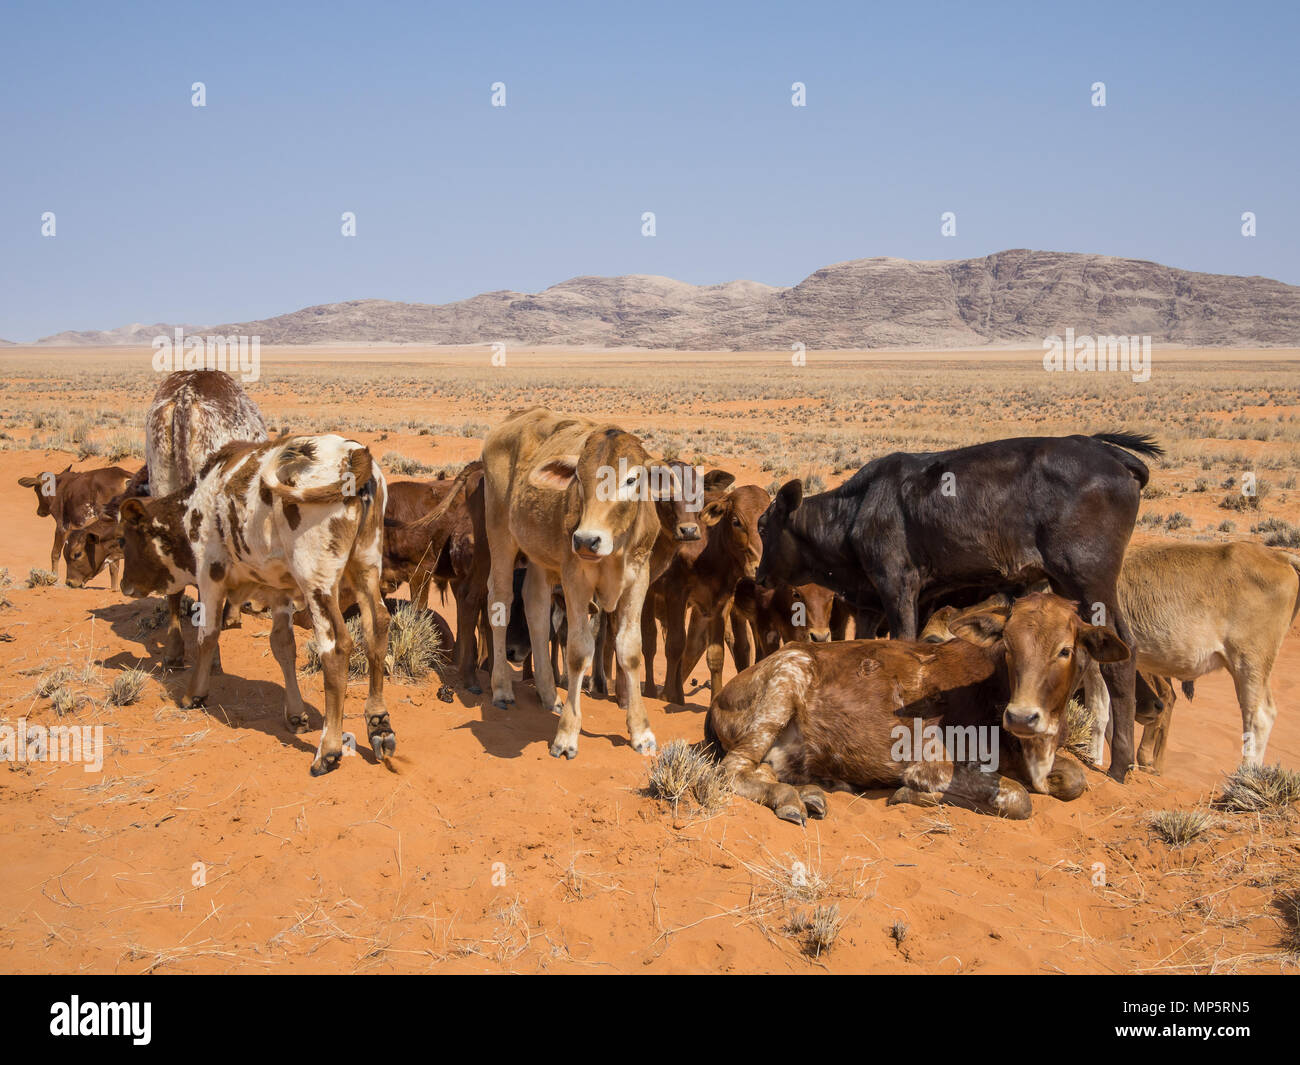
(1002, 513)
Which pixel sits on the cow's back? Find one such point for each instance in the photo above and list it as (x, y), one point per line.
(1195, 601)
(193, 414)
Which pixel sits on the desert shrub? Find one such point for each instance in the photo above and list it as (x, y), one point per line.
(127, 687)
(1262, 788)
(1178, 828)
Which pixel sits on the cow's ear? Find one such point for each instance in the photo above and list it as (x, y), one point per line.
(718, 480)
(665, 484)
(790, 496)
(133, 512)
(713, 513)
(1102, 644)
(27, 482)
(66, 469)
(555, 475)
(983, 628)
(91, 539)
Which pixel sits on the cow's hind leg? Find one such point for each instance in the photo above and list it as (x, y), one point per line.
(284, 647)
(374, 629)
(1097, 699)
(335, 647)
(757, 782)
(1250, 678)
(174, 646)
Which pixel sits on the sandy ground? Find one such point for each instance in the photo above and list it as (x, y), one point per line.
(205, 846)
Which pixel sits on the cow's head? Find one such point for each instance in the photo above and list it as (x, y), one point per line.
(87, 550)
(1045, 645)
(609, 485)
(785, 555)
(157, 557)
(813, 604)
(680, 513)
(734, 517)
(46, 486)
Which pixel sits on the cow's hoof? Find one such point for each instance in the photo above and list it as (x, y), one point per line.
(326, 763)
(173, 662)
(474, 688)
(794, 814)
(1118, 771)
(297, 725)
(190, 702)
(814, 801)
(446, 694)
(503, 702)
(564, 750)
(384, 744)
(649, 691)
(647, 744)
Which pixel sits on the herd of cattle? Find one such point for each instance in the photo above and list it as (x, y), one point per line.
(985, 585)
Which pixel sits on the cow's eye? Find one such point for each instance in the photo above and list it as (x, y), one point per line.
(735, 522)
(1063, 653)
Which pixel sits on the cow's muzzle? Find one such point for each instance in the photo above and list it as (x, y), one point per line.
(1024, 721)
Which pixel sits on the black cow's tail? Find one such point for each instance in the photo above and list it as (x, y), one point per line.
(1142, 443)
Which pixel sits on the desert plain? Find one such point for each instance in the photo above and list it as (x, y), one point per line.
(203, 845)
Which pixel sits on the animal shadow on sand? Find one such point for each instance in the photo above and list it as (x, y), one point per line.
(233, 701)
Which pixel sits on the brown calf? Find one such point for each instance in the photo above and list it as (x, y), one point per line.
(843, 715)
(74, 500)
(702, 580)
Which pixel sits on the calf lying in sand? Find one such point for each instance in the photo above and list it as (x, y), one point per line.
(834, 715)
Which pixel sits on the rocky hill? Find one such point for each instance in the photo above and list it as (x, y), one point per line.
(1011, 298)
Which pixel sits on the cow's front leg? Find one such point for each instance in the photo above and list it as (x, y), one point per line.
(627, 650)
(501, 594)
(1066, 780)
(649, 645)
(209, 635)
(60, 534)
(578, 589)
(965, 785)
(114, 574)
(1097, 699)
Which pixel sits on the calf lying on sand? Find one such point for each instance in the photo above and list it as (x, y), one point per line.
(832, 715)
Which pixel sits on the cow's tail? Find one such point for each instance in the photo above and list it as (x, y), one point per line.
(182, 415)
(1142, 443)
(457, 487)
(360, 485)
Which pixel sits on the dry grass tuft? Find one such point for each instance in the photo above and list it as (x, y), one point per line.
(1260, 788)
(414, 646)
(41, 578)
(682, 768)
(127, 687)
(1178, 828)
(1078, 730)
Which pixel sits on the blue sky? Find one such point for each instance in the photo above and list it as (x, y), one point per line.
(167, 212)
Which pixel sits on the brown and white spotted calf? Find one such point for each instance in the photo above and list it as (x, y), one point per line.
(291, 522)
(836, 715)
